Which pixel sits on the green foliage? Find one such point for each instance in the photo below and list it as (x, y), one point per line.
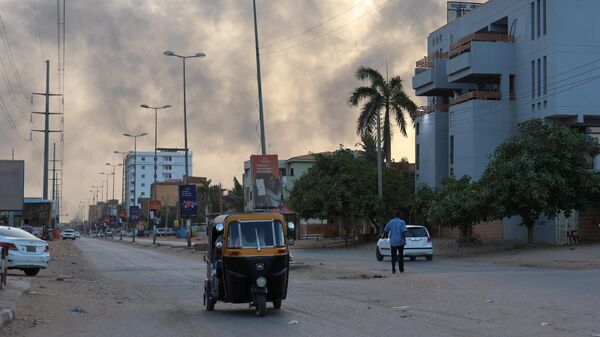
(398, 189)
(385, 96)
(235, 197)
(458, 203)
(542, 171)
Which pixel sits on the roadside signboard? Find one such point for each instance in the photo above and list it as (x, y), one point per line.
(12, 185)
(134, 214)
(154, 208)
(187, 201)
(37, 212)
(265, 181)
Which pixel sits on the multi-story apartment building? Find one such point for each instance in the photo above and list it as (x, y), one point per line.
(170, 165)
(505, 62)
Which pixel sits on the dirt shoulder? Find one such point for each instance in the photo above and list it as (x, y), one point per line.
(60, 297)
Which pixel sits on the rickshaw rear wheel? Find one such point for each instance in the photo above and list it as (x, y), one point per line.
(276, 304)
(261, 304)
(210, 303)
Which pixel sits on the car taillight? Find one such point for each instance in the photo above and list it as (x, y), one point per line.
(7, 245)
(429, 239)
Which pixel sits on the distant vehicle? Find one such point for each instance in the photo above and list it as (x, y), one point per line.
(161, 231)
(25, 251)
(108, 234)
(418, 243)
(77, 235)
(67, 234)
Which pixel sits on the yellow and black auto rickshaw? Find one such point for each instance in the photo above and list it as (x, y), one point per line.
(247, 260)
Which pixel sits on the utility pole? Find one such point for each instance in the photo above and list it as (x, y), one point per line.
(260, 102)
(46, 130)
(53, 171)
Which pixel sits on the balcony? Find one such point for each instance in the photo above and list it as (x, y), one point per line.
(430, 77)
(479, 54)
(424, 110)
(480, 95)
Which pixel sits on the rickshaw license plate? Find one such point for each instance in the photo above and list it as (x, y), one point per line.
(31, 249)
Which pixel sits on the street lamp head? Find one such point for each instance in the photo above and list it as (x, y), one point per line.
(166, 106)
(200, 54)
(145, 106)
(168, 53)
(127, 135)
(143, 134)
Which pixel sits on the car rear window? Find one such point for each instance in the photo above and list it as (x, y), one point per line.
(12, 232)
(416, 232)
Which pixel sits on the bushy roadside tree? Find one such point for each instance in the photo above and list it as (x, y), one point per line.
(459, 203)
(544, 170)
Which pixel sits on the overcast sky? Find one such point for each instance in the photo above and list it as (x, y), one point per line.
(114, 63)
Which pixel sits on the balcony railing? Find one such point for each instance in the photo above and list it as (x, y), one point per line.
(424, 110)
(428, 61)
(484, 95)
(463, 45)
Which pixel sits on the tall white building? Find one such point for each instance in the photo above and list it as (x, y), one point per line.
(505, 62)
(170, 165)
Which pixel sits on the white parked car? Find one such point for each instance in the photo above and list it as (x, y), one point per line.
(418, 243)
(25, 251)
(67, 234)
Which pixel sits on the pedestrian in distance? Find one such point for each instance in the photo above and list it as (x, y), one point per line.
(396, 229)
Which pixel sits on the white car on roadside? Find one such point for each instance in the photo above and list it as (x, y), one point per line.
(68, 234)
(25, 251)
(418, 243)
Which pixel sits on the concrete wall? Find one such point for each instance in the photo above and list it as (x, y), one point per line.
(433, 148)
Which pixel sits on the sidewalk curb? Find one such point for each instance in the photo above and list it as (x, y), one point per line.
(9, 296)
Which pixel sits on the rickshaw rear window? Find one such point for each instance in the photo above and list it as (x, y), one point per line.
(244, 234)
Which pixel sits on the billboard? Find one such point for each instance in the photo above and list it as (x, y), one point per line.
(187, 201)
(12, 185)
(457, 9)
(37, 212)
(134, 214)
(154, 210)
(265, 181)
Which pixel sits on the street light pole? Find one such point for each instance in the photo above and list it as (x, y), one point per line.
(260, 103)
(123, 187)
(200, 55)
(156, 134)
(134, 170)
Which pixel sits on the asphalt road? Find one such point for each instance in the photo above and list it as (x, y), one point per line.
(333, 293)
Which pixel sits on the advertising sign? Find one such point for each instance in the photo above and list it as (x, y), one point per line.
(187, 201)
(154, 207)
(134, 214)
(265, 181)
(12, 185)
(37, 212)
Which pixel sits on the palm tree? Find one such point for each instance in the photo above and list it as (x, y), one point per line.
(384, 95)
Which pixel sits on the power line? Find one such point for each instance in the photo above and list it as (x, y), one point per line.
(328, 32)
(268, 45)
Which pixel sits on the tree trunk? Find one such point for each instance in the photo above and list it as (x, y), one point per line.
(530, 233)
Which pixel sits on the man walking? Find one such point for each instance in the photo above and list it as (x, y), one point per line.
(397, 233)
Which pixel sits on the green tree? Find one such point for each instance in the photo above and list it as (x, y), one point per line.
(384, 96)
(457, 203)
(421, 201)
(235, 197)
(337, 186)
(544, 170)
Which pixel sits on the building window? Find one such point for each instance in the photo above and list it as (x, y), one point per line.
(545, 75)
(452, 171)
(532, 21)
(168, 158)
(532, 79)
(131, 199)
(167, 167)
(143, 193)
(143, 176)
(417, 159)
(539, 77)
(539, 19)
(451, 149)
(143, 167)
(292, 171)
(143, 185)
(545, 31)
(282, 172)
(143, 158)
(417, 129)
